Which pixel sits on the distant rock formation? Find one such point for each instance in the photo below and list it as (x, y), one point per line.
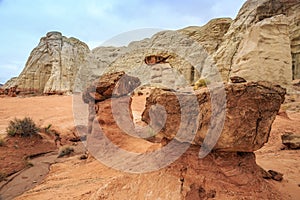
(10, 92)
(10, 83)
(181, 54)
(261, 44)
(210, 36)
(53, 65)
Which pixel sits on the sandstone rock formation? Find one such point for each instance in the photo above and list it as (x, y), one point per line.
(11, 92)
(250, 111)
(108, 86)
(183, 53)
(210, 36)
(53, 65)
(98, 60)
(10, 83)
(168, 44)
(218, 176)
(262, 42)
(237, 79)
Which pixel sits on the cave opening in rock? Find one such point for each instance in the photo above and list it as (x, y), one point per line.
(155, 59)
(293, 71)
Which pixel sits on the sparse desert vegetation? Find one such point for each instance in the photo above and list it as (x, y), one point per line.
(65, 151)
(25, 127)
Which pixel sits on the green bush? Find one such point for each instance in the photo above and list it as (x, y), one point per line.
(64, 151)
(22, 127)
(201, 83)
(48, 128)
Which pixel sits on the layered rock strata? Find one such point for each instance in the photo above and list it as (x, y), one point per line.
(53, 65)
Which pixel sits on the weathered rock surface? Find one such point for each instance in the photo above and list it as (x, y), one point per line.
(182, 53)
(53, 64)
(264, 53)
(98, 60)
(108, 86)
(185, 50)
(262, 43)
(291, 140)
(218, 176)
(210, 36)
(250, 111)
(10, 83)
(11, 92)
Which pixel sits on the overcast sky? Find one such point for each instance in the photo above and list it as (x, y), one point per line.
(24, 22)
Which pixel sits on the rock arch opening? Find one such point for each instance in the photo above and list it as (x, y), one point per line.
(166, 65)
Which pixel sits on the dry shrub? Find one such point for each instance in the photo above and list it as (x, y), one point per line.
(22, 127)
(65, 150)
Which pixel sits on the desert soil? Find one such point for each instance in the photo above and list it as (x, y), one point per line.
(87, 175)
